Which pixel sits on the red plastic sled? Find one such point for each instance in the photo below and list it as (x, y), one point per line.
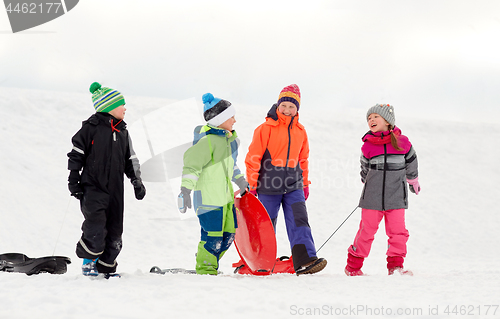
(255, 240)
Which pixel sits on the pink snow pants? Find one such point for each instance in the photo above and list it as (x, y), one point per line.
(394, 228)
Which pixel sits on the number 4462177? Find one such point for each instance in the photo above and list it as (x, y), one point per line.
(471, 310)
(48, 7)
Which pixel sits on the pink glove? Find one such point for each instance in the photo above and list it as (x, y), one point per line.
(306, 192)
(414, 185)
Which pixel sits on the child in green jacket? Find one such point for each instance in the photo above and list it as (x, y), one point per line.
(209, 168)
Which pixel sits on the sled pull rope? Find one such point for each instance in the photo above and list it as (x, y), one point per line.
(337, 229)
(60, 230)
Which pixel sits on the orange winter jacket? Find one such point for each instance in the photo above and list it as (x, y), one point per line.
(277, 159)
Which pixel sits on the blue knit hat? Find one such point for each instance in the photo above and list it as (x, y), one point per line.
(215, 110)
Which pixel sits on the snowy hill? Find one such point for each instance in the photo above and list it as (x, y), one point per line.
(453, 224)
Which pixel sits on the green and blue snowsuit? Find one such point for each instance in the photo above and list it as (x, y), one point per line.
(209, 168)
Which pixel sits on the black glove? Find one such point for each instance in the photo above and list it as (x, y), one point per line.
(184, 200)
(243, 185)
(74, 186)
(139, 189)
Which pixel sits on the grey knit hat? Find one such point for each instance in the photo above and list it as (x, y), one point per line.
(384, 110)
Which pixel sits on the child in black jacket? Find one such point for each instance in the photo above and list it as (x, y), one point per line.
(102, 148)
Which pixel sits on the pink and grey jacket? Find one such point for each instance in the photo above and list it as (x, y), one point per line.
(384, 171)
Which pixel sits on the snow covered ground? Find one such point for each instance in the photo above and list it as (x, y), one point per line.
(453, 224)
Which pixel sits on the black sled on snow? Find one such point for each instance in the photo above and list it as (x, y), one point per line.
(15, 262)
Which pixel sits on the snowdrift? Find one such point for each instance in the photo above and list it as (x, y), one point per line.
(453, 223)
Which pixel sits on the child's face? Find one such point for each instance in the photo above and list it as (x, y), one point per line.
(377, 123)
(228, 124)
(119, 112)
(287, 108)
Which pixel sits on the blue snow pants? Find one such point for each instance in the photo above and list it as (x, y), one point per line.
(297, 223)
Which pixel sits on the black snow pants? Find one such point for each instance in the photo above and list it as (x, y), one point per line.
(103, 226)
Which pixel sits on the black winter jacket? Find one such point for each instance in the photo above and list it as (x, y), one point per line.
(102, 147)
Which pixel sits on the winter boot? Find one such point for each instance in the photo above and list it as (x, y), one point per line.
(89, 267)
(354, 265)
(395, 265)
(206, 262)
(354, 272)
(312, 267)
(400, 271)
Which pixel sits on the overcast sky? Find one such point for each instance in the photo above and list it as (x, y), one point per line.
(422, 56)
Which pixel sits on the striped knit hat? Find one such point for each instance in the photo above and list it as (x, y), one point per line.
(215, 110)
(290, 93)
(105, 99)
(384, 110)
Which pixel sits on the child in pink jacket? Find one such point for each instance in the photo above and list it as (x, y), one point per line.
(388, 165)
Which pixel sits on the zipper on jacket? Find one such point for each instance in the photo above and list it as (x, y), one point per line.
(383, 180)
(114, 129)
(226, 172)
(289, 141)
(289, 145)
(404, 193)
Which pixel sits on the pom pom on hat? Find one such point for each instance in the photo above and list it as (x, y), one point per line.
(290, 93)
(384, 110)
(207, 98)
(215, 110)
(209, 101)
(105, 99)
(94, 86)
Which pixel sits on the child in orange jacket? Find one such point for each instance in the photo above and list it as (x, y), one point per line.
(277, 170)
